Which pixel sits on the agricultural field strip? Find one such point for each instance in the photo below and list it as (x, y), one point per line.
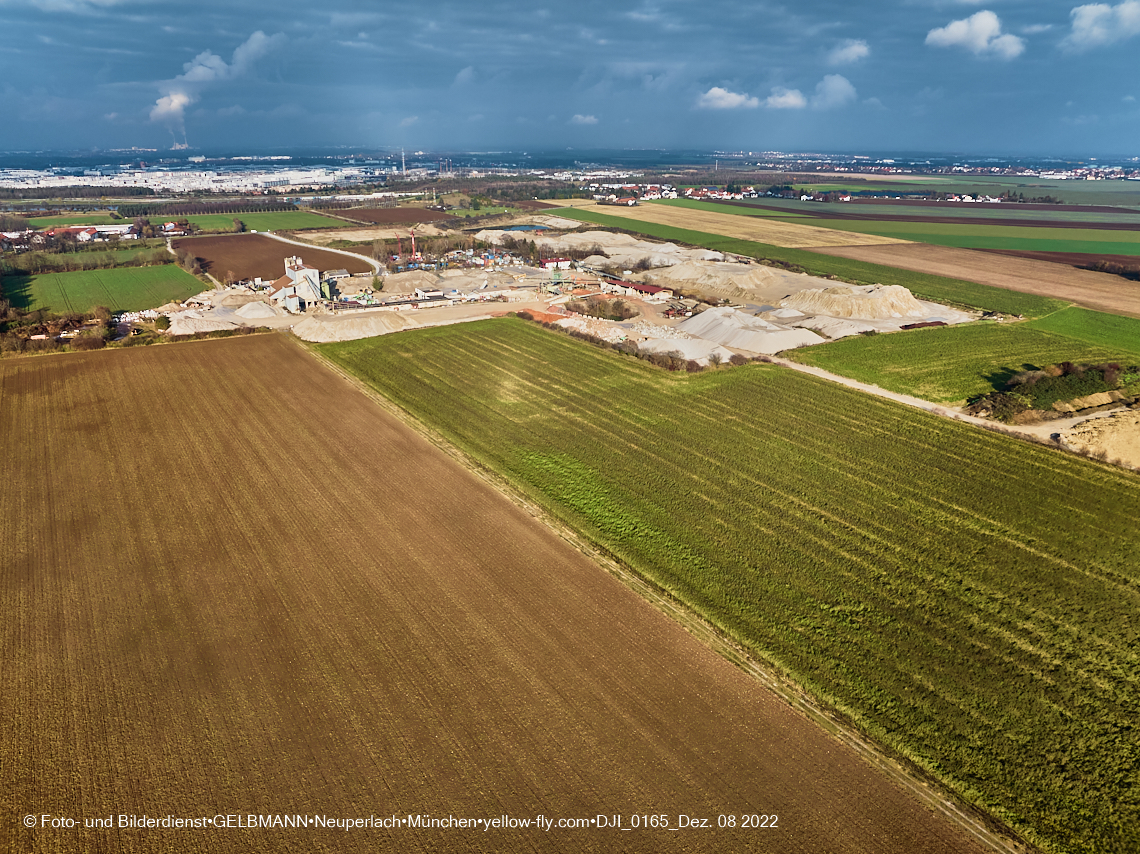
(774, 231)
(120, 289)
(1031, 621)
(939, 288)
(996, 235)
(1124, 217)
(1114, 240)
(984, 525)
(790, 691)
(952, 365)
(337, 642)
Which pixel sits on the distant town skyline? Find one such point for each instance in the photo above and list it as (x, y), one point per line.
(919, 75)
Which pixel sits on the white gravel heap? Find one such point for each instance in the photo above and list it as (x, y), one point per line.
(622, 249)
(324, 328)
(713, 276)
(697, 349)
(871, 302)
(741, 331)
(259, 311)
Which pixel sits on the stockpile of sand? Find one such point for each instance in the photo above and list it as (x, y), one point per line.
(467, 280)
(405, 283)
(833, 327)
(1116, 436)
(181, 324)
(233, 299)
(717, 277)
(622, 249)
(324, 328)
(871, 302)
(697, 349)
(259, 311)
(741, 331)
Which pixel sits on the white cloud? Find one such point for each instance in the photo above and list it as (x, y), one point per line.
(980, 34)
(465, 76)
(170, 107)
(409, 121)
(1098, 23)
(203, 70)
(785, 99)
(721, 99)
(1034, 29)
(834, 90)
(852, 50)
(579, 119)
(1129, 99)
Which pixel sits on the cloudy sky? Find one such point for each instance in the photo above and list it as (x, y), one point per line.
(985, 76)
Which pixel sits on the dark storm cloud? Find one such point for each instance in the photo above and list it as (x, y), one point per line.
(824, 75)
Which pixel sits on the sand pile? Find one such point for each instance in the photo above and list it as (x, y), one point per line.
(718, 277)
(741, 331)
(324, 328)
(1117, 436)
(833, 327)
(185, 324)
(233, 299)
(259, 311)
(475, 279)
(405, 283)
(697, 349)
(870, 301)
(622, 249)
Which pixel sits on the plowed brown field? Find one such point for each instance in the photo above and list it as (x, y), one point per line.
(249, 255)
(765, 230)
(1102, 291)
(230, 583)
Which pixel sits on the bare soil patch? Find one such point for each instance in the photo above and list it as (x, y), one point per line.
(1101, 291)
(353, 626)
(250, 255)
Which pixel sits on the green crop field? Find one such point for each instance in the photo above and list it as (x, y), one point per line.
(716, 207)
(996, 212)
(969, 599)
(922, 285)
(969, 236)
(952, 364)
(261, 221)
(1093, 327)
(122, 289)
(74, 219)
(1119, 193)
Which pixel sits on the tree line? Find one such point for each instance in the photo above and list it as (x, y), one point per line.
(77, 192)
(204, 207)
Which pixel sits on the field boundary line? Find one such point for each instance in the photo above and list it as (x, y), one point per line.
(983, 827)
